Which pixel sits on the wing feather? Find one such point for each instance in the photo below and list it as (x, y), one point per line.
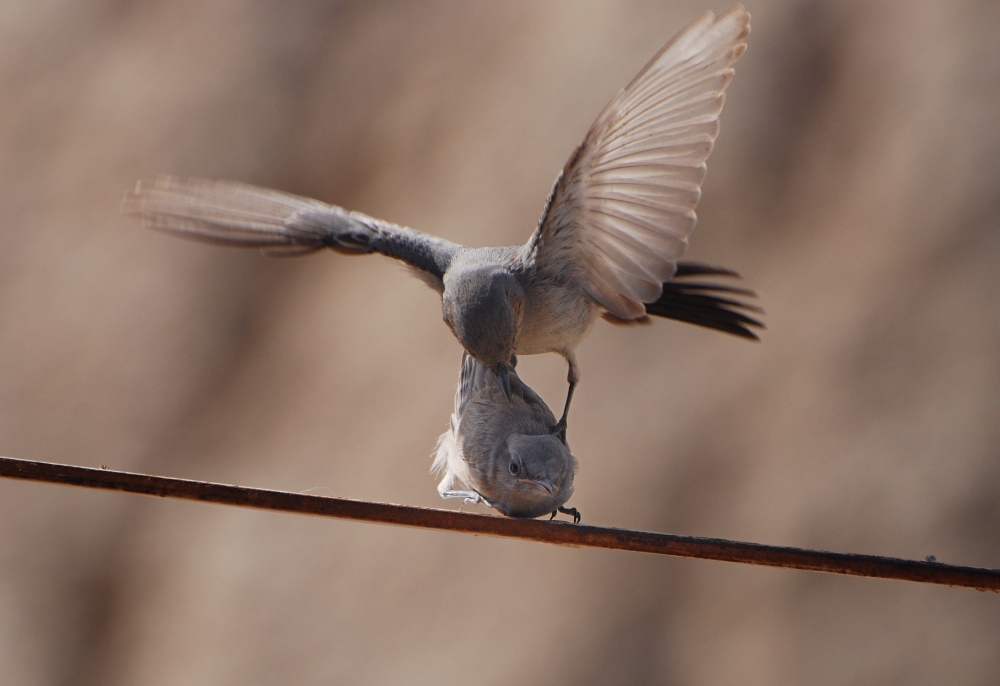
(282, 224)
(621, 211)
(238, 214)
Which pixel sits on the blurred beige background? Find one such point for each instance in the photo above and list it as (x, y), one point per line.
(855, 185)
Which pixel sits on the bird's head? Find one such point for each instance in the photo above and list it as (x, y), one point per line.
(483, 307)
(531, 475)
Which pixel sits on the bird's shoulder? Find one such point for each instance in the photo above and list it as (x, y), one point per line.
(496, 257)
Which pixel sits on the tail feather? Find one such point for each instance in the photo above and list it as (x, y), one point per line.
(699, 302)
(701, 269)
(720, 288)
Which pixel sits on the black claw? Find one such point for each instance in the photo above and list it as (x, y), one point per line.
(570, 511)
(559, 431)
(554, 513)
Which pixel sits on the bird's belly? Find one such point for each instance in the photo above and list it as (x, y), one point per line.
(554, 324)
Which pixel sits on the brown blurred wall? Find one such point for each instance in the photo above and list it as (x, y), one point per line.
(856, 185)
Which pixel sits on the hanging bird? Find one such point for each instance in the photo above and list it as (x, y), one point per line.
(507, 450)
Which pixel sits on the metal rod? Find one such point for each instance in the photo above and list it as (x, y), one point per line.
(559, 533)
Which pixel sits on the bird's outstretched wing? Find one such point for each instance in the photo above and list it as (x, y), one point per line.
(619, 215)
(238, 214)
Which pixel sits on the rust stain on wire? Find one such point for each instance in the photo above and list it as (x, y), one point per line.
(558, 533)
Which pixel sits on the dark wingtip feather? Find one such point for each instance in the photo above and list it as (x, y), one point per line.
(699, 302)
(702, 269)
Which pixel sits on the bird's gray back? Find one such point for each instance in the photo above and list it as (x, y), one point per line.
(485, 414)
(485, 418)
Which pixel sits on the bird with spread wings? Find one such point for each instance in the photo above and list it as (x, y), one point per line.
(609, 240)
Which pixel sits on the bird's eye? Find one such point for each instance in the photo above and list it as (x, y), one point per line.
(514, 467)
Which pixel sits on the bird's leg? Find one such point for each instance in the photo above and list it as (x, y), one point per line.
(575, 513)
(573, 378)
(569, 399)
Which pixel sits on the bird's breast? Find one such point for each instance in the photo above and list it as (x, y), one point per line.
(555, 318)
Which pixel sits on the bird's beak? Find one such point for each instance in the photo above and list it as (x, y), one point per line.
(501, 374)
(543, 484)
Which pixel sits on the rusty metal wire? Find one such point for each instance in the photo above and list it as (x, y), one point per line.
(559, 533)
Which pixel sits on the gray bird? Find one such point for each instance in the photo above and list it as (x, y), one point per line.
(508, 452)
(609, 239)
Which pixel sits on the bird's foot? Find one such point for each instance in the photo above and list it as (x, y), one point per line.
(471, 497)
(572, 511)
(559, 430)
